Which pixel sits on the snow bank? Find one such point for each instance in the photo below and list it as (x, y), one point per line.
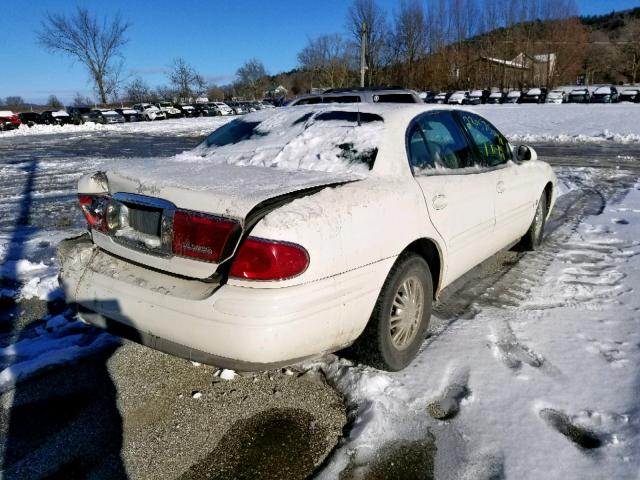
(537, 379)
(179, 126)
(565, 122)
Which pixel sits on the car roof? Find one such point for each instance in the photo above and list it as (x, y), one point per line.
(365, 93)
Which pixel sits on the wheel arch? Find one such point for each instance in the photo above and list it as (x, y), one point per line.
(428, 249)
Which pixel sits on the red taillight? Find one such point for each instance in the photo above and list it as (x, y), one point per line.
(259, 259)
(14, 119)
(202, 237)
(94, 208)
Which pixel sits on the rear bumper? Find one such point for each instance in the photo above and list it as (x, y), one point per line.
(233, 326)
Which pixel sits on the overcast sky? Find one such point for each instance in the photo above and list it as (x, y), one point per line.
(214, 36)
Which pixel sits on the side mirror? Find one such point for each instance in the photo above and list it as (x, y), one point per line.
(525, 153)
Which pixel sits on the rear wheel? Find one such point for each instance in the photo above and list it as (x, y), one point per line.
(401, 316)
(533, 238)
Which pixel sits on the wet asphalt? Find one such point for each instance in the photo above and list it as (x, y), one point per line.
(131, 412)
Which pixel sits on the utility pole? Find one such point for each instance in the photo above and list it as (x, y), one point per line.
(363, 51)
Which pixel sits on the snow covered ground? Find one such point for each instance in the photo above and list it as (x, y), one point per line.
(537, 377)
(525, 123)
(529, 373)
(566, 122)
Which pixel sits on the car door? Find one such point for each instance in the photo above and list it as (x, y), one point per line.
(459, 199)
(515, 200)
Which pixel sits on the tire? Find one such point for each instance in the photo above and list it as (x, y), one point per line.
(533, 238)
(388, 347)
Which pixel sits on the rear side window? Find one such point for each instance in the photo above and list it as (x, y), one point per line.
(394, 98)
(309, 101)
(435, 141)
(342, 99)
(491, 145)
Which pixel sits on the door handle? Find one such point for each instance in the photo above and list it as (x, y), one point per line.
(439, 202)
(500, 187)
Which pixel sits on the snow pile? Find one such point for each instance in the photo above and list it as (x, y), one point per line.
(539, 378)
(36, 279)
(178, 126)
(565, 122)
(293, 139)
(58, 341)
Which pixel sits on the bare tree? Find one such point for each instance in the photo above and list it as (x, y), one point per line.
(53, 102)
(409, 41)
(630, 49)
(137, 91)
(252, 78)
(80, 100)
(327, 58)
(97, 44)
(184, 78)
(15, 102)
(369, 14)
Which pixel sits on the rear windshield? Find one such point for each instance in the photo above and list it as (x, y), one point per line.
(330, 140)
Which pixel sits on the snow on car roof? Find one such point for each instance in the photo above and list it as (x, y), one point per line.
(129, 111)
(109, 112)
(579, 90)
(496, 95)
(6, 113)
(476, 93)
(534, 91)
(604, 90)
(515, 93)
(60, 113)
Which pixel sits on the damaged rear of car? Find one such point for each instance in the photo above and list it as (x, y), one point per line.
(181, 255)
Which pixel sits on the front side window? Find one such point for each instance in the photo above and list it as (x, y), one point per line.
(443, 144)
(492, 147)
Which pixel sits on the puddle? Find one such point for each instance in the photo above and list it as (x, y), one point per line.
(275, 444)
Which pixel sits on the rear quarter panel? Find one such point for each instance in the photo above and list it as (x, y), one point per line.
(349, 227)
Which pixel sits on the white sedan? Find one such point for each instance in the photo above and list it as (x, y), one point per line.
(290, 233)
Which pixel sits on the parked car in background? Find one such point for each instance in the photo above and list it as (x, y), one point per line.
(30, 118)
(79, 115)
(556, 96)
(8, 120)
(579, 95)
(186, 110)
(149, 112)
(237, 108)
(514, 96)
(210, 266)
(129, 114)
(267, 104)
(221, 108)
(630, 95)
(441, 97)
(477, 97)
(359, 95)
(105, 116)
(169, 110)
(56, 117)
(459, 97)
(205, 110)
(534, 95)
(427, 96)
(496, 98)
(605, 95)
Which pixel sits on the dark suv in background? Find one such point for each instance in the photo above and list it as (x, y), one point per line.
(79, 115)
(605, 95)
